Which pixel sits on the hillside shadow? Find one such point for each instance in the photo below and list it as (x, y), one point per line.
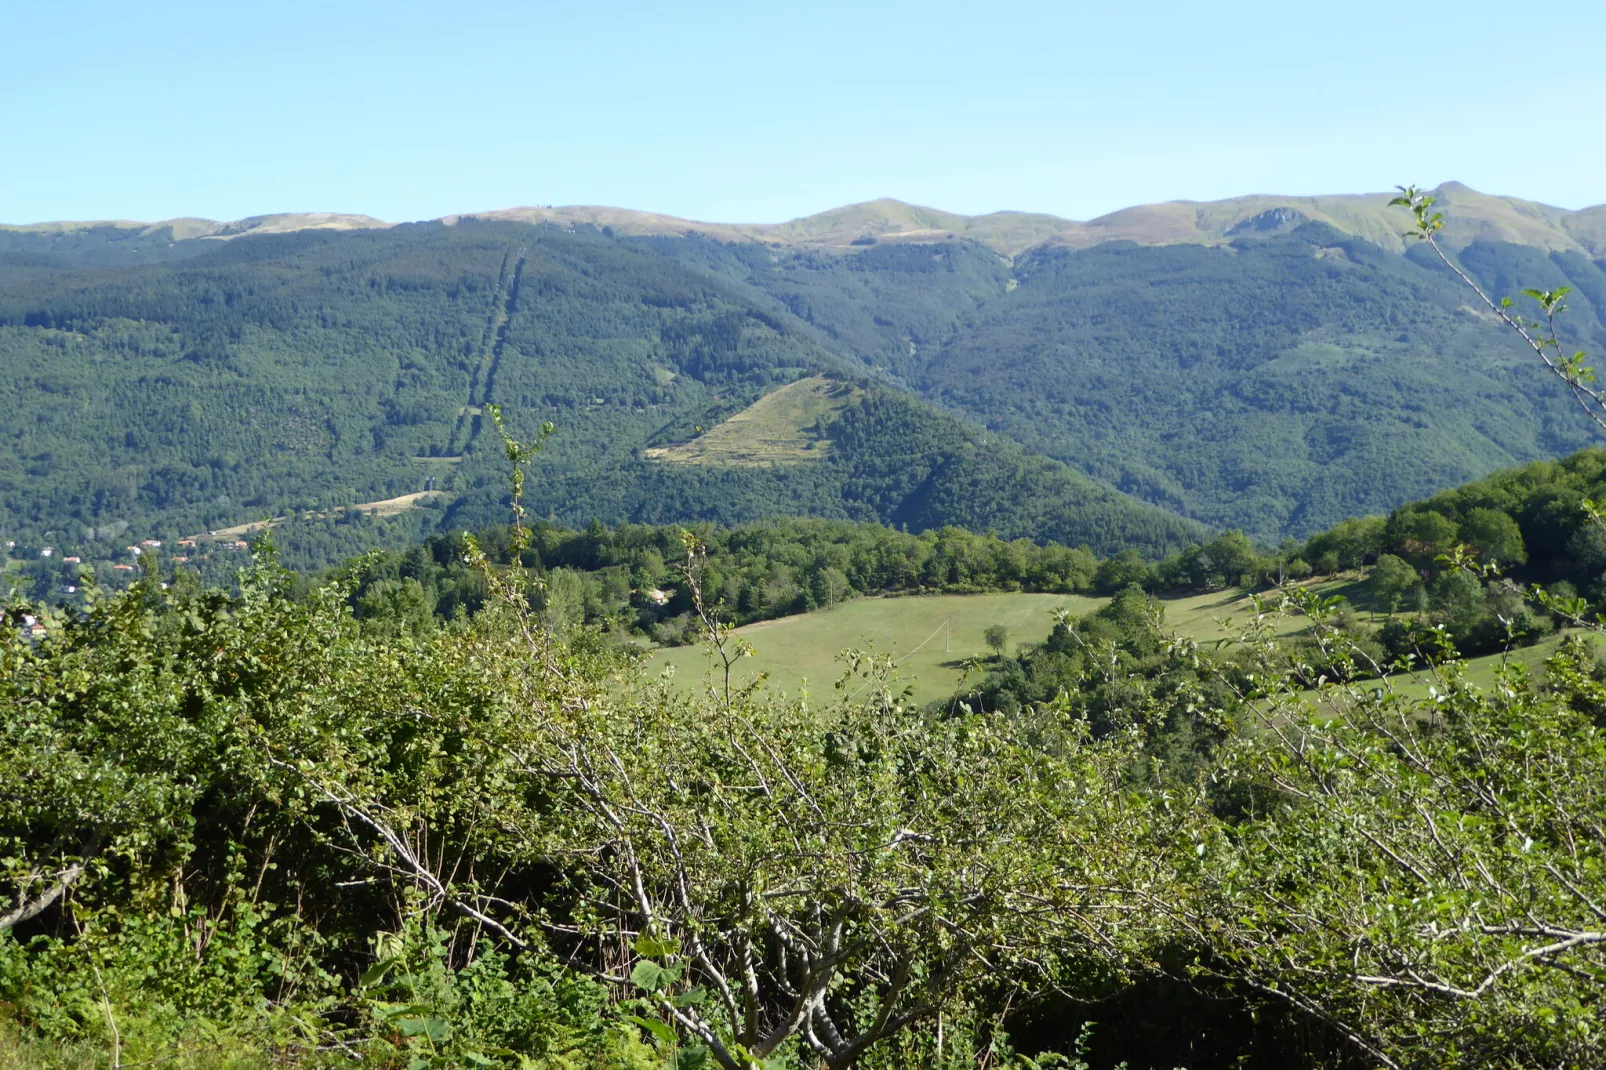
(958, 664)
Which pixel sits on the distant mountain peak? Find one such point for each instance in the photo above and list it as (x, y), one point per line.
(1271, 221)
(190, 227)
(1470, 216)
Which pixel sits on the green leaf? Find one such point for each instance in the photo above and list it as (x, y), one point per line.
(433, 1028)
(649, 976)
(653, 947)
(694, 1058)
(374, 974)
(656, 1028)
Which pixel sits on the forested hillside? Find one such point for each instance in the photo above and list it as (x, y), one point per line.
(281, 375)
(1276, 378)
(1278, 382)
(311, 369)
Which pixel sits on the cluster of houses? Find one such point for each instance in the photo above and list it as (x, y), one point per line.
(144, 546)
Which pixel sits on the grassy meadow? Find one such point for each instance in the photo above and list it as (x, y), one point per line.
(782, 427)
(1480, 672)
(933, 637)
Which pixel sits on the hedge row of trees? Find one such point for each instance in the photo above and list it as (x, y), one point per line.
(631, 579)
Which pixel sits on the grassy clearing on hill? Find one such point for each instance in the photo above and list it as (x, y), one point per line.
(1223, 614)
(388, 507)
(782, 427)
(1480, 672)
(934, 635)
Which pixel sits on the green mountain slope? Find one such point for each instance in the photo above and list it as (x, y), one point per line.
(890, 458)
(1276, 384)
(891, 306)
(1255, 363)
(279, 374)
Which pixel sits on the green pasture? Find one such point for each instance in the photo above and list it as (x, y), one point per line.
(1480, 672)
(781, 427)
(934, 636)
(930, 635)
(1224, 614)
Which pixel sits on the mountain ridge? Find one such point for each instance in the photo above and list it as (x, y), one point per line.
(1471, 216)
(1275, 379)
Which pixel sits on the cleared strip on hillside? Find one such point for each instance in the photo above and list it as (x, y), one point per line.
(782, 427)
(388, 507)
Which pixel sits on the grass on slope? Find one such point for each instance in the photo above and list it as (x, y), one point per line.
(21, 1052)
(782, 427)
(1480, 672)
(388, 507)
(1221, 614)
(931, 635)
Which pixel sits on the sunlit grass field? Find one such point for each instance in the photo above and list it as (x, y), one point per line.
(932, 637)
(1481, 672)
(782, 427)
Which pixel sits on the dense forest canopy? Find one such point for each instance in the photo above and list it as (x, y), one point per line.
(297, 373)
(1271, 382)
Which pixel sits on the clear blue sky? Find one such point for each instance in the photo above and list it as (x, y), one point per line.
(761, 111)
